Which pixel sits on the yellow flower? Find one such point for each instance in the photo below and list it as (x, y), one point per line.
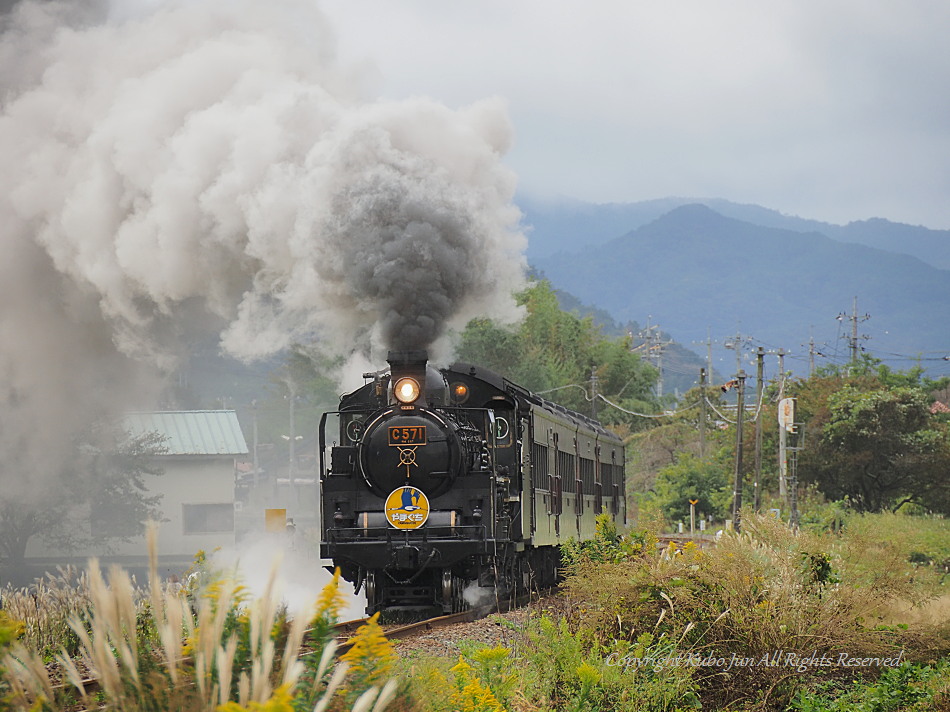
(331, 599)
(372, 654)
(280, 701)
(461, 666)
(490, 655)
(588, 674)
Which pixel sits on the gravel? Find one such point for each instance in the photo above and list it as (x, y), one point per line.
(498, 629)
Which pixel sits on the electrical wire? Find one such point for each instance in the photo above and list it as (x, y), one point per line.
(668, 414)
(561, 388)
(718, 412)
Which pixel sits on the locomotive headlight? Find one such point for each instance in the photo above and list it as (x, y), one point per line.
(406, 390)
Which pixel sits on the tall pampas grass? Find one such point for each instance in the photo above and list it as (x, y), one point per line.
(163, 649)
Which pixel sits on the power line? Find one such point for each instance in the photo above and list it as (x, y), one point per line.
(667, 414)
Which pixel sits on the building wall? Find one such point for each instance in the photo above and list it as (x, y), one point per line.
(197, 505)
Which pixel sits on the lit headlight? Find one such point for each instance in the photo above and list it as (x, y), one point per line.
(406, 390)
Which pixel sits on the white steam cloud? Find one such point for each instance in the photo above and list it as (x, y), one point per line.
(177, 166)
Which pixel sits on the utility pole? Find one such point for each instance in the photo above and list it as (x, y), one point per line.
(782, 434)
(781, 373)
(292, 468)
(292, 439)
(654, 346)
(737, 489)
(736, 344)
(854, 332)
(708, 342)
(702, 414)
(811, 355)
(853, 340)
(759, 367)
(793, 484)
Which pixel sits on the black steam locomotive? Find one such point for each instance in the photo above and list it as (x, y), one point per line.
(442, 480)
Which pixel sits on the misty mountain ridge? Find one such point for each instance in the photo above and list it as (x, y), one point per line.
(694, 269)
(569, 225)
(696, 272)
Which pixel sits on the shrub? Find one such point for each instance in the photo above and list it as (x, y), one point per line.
(764, 591)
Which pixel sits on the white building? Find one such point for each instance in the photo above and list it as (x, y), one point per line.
(197, 488)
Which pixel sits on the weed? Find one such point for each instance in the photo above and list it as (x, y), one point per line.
(212, 649)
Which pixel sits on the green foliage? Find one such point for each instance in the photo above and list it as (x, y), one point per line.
(305, 377)
(370, 658)
(45, 608)
(870, 438)
(481, 683)
(707, 481)
(214, 649)
(820, 516)
(768, 589)
(880, 448)
(608, 545)
(571, 668)
(10, 630)
(554, 349)
(907, 688)
(557, 668)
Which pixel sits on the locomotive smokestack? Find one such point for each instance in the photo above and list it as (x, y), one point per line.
(406, 368)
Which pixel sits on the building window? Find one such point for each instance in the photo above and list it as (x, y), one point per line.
(207, 518)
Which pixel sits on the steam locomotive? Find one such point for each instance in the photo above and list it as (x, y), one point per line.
(446, 483)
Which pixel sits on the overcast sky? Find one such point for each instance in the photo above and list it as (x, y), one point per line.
(836, 111)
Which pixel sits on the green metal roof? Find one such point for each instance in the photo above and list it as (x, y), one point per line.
(192, 432)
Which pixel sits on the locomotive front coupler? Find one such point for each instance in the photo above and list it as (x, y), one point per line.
(407, 557)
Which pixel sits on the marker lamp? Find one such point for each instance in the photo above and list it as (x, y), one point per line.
(459, 392)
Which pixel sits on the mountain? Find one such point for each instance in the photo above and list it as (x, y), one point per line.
(570, 225)
(679, 366)
(694, 268)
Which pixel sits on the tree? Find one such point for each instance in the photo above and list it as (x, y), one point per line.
(300, 381)
(881, 448)
(707, 481)
(101, 497)
(553, 352)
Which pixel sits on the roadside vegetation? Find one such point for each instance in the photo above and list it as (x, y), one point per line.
(207, 646)
(769, 619)
(815, 620)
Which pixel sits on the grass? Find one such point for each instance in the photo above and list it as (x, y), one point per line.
(768, 620)
(744, 626)
(45, 608)
(208, 649)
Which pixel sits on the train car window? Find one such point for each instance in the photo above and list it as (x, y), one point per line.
(587, 474)
(539, 465)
